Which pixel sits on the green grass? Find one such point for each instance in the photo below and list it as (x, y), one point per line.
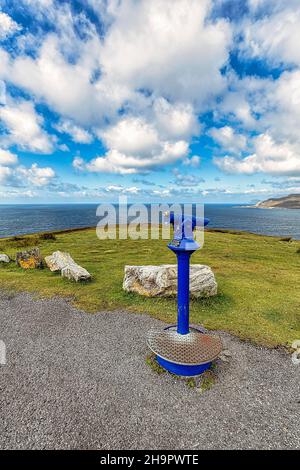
(258, 279)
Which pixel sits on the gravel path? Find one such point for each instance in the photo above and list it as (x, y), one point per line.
(74, 380)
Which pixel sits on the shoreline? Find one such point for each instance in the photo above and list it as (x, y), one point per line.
(271, 207)
(20, 236)
(234, 218)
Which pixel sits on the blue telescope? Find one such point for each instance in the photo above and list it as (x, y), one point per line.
(182, 349)
(184, 245)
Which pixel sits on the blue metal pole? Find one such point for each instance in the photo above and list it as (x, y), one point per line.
(183, 282)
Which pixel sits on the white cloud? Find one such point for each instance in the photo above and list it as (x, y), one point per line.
(269, 157)
(113, 162)
(16, 193)
(7, 157)
(132, 136)
(228, 139)
(142, 85)
(36, 175)
(187, 180)
(167, 46)
(175, 120)
(117, 162)
(282, 114)
(270, 6)
(24, 129)
(49, 77)
(5, 173)
(122, 189)
(274, 106)
(193, 161)
(272, 114)
(159, 62)
(236, 107)
(15, 175)
(2, 92)
(135, 147)
(78, 163)
(276, 36)
(78, 134)
(7, 26)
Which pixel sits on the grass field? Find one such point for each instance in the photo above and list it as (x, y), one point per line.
(258, 279)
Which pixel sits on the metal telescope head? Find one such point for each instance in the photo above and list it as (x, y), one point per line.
(184, 227)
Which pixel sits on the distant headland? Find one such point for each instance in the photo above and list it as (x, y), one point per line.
(287, 202)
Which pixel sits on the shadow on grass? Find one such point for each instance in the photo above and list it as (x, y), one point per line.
(165, 308)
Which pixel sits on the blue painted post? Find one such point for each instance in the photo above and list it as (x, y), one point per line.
(183, 245)
(183, 282)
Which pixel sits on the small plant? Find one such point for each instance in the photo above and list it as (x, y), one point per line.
(191, 382)
(208, 380)
(47, 236)
(286, 239)
(21, 242)
(16, 239)
(152, 362)
(298, 250)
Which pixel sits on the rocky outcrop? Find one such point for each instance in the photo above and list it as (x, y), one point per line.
(62, 261)
(287, 202)
(30, 259)
(4, 258)
(152, 281)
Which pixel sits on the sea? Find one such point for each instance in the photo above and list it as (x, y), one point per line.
(29, 218)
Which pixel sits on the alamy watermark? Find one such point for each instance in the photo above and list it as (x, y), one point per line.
(149, 221)
(2, 353)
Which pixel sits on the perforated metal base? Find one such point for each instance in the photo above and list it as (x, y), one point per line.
(192, 349)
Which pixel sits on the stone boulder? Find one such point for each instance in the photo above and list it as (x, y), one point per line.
(4, 258)
(161, 281)
(61, 261)
(30, 259)
(75, 272)
(58, 260)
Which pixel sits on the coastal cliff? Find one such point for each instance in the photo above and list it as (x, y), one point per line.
(287, 202)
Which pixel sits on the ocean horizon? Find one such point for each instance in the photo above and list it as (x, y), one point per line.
(22, 219)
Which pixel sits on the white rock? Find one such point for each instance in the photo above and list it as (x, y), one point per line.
(75, 272)
(224, 358)
(58, 260)
(153, 281)
(4, 258)
(226, 353)
(62, 261)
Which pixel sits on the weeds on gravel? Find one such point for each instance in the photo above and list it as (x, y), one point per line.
(201, 383)
(207, 381)
(152, 362)
(191, 382)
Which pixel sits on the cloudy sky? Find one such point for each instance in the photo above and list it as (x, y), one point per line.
(181, 100)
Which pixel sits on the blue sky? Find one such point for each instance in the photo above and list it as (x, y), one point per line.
(175, 100)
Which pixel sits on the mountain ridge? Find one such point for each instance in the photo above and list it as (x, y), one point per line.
(292, 201)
